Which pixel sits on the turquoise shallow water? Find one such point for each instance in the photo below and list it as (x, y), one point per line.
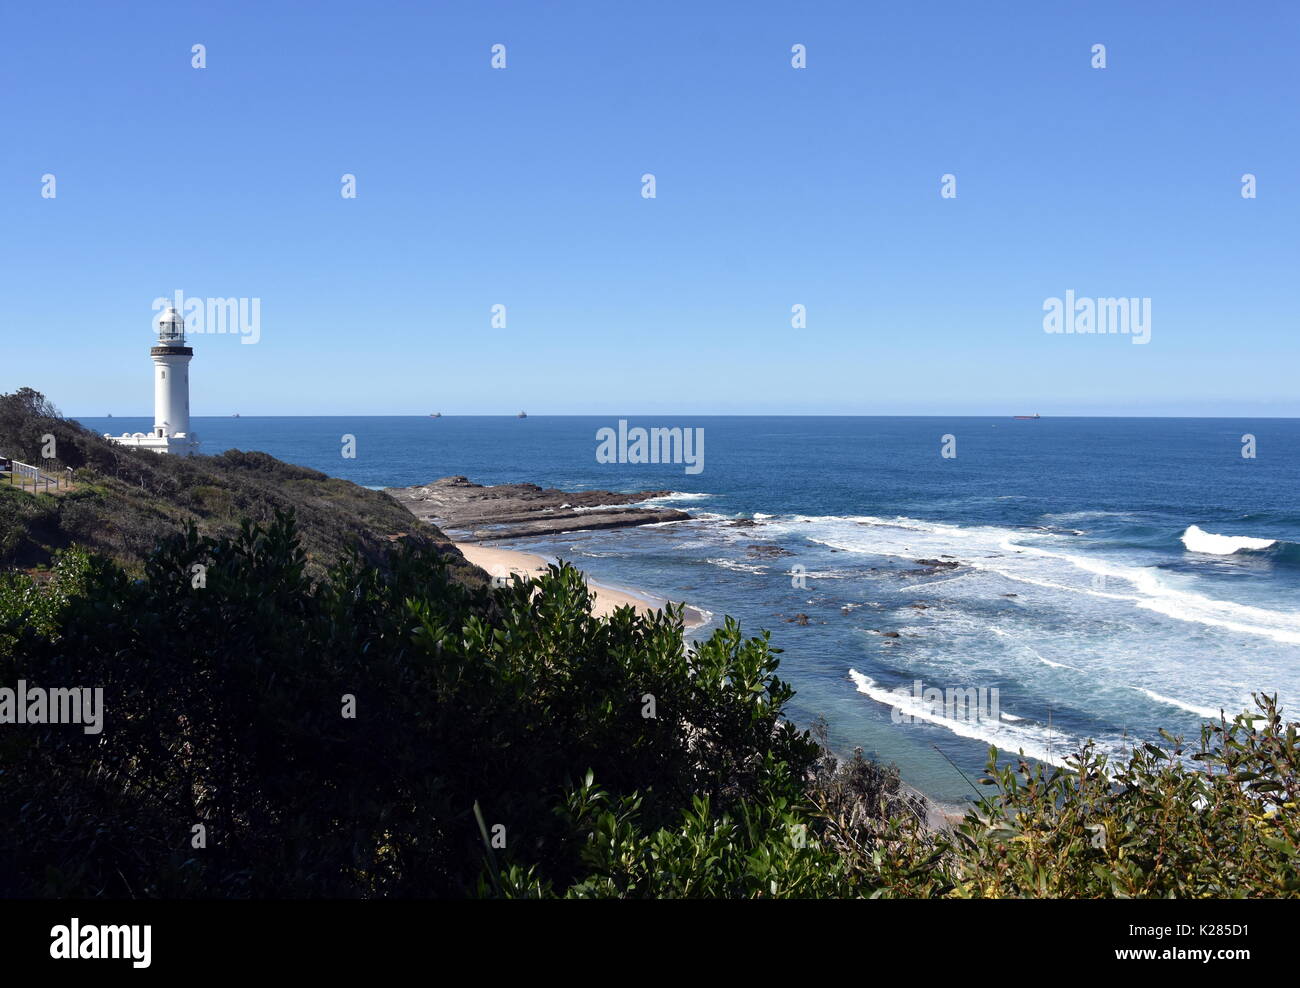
(1090, 591)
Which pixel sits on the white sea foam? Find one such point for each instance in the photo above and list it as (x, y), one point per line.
(1033, 652)
(739, 567)
(1096, 615)
(1198, 540)
(1205, 712)
(1010, 554)
(1032, 741)
(1182, 605)
(1069, 516)
(677, 496)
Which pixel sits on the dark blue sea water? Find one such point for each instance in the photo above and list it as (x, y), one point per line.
(1092, 592)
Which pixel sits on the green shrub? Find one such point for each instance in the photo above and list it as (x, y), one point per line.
(224, 709)
(508, 743)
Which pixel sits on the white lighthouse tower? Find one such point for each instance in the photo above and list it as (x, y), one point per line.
(171, 392)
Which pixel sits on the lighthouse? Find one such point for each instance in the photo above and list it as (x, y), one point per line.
(171, 392)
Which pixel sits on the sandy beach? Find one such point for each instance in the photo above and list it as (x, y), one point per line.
(498, 561)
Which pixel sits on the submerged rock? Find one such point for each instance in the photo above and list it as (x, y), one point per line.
(766, 551)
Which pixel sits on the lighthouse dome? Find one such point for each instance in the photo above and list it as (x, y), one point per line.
(171, 327)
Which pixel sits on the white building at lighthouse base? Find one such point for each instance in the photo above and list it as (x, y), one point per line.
(178, 444)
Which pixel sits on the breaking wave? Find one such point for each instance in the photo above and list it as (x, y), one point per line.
(1196, 539)
(1032, 741)
(1021, 556)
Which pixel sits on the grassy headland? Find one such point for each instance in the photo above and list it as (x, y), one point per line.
(125, 502)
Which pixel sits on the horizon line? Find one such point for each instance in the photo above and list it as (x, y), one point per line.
(733, 415)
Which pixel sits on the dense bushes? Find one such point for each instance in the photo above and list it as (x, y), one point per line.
(1148, 826)
(224, 708)
(505, 742)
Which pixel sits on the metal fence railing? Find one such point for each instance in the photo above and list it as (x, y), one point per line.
(27, 477)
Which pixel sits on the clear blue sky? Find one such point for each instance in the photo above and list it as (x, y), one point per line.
(776, 186)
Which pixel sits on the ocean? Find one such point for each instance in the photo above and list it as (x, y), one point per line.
(1115, 576)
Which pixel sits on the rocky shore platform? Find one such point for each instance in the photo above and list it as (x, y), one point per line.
(471, 512)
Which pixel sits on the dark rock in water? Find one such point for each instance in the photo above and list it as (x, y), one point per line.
(800, 618)
(887, 634)
(471, 512)
(766, 551)
(920, 607)
(931, 566)
(743, 523)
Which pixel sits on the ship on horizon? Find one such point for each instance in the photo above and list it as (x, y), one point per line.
(1034, 416)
